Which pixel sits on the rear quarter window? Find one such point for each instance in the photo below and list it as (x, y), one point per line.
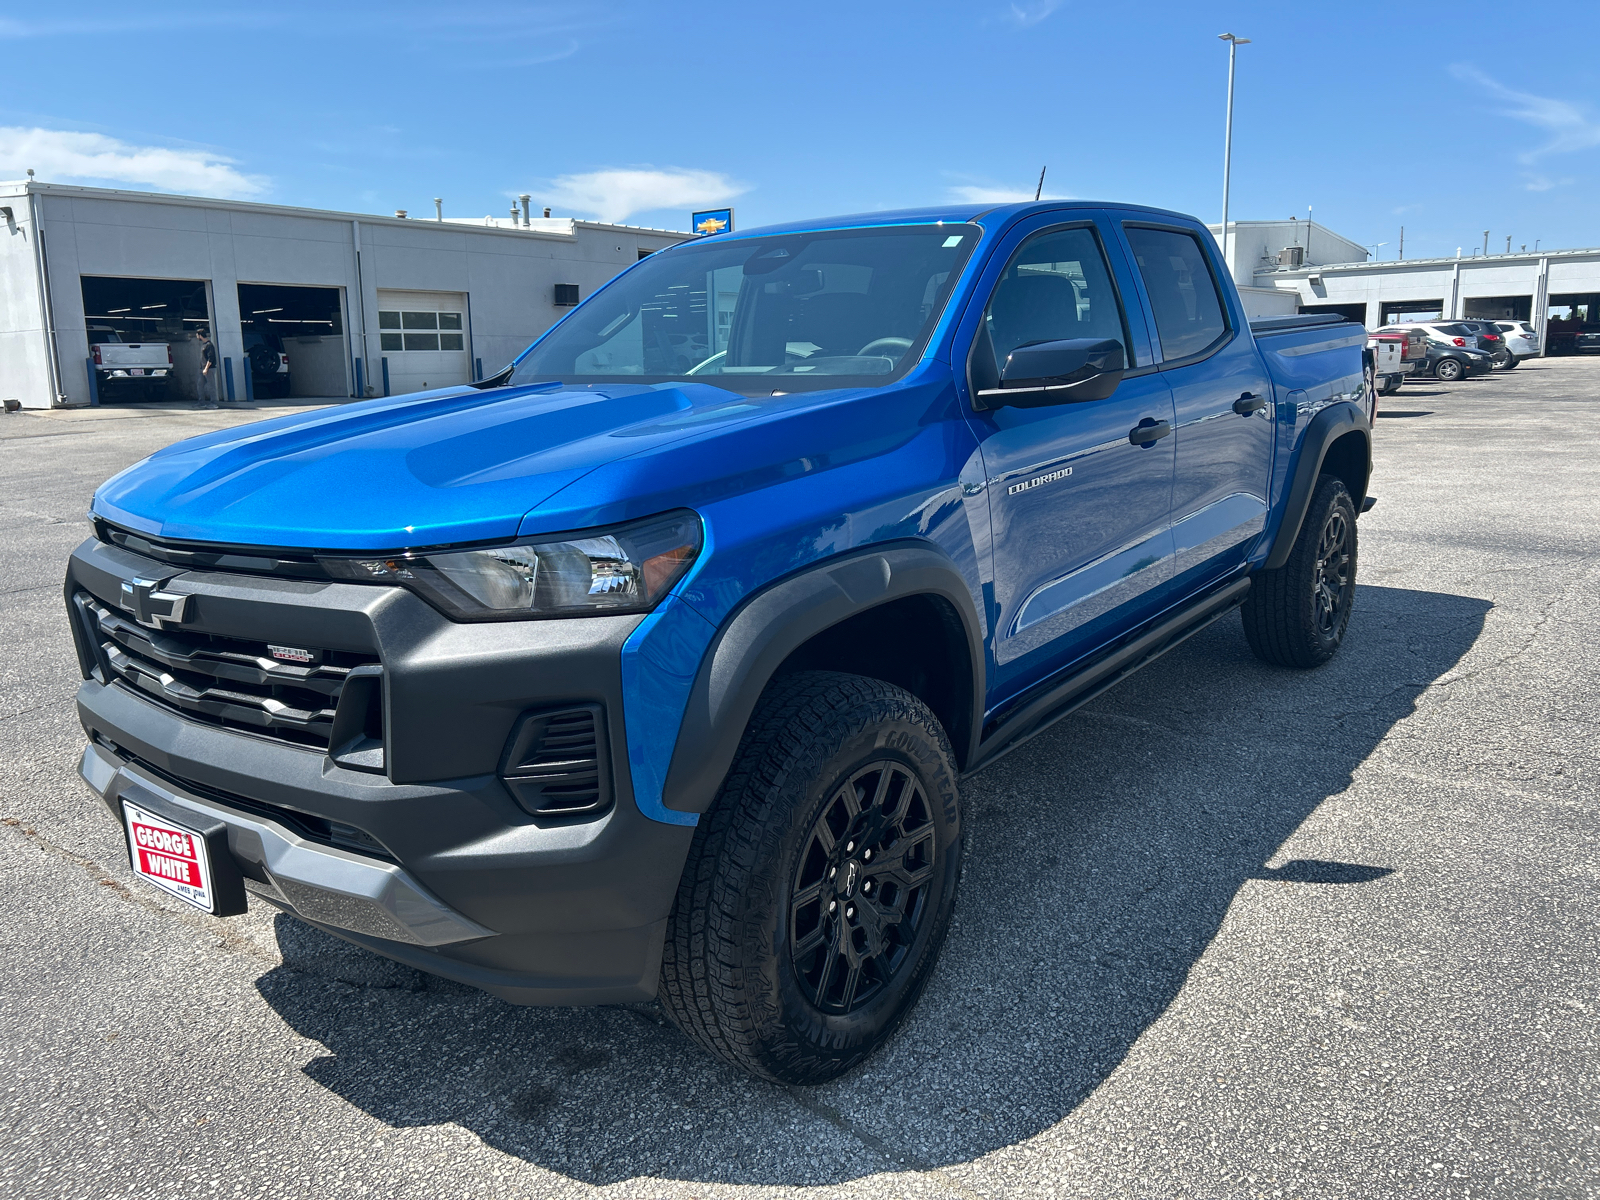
(1177, 276)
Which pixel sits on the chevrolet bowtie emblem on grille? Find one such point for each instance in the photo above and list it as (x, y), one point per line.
(152, 607)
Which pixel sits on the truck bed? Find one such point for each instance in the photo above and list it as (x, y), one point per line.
(1309, 358)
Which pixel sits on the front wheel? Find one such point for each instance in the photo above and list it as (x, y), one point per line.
(1449, 369)
(820, 885)
(1297, 614)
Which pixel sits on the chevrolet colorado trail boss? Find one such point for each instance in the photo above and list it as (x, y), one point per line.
(651, 666)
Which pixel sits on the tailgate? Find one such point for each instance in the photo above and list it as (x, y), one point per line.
(133, 354)
(1388, 354)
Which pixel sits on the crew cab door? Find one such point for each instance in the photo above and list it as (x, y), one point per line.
(1222, 395)
(1079, 512)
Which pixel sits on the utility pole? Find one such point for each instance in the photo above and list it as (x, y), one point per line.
(1227, 140)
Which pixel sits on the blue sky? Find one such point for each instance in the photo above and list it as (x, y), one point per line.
(1448, 120)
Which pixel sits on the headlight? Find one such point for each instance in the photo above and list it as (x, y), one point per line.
(618, 569)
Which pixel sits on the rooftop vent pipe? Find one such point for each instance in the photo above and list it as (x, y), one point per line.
(526, 216)
(438, 209)
(547, 210)
(400, 213)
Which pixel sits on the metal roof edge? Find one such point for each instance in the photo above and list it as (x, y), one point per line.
(132, 196)
(1531, 257)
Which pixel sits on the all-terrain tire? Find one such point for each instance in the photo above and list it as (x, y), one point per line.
(828, 761)
(1296, 615)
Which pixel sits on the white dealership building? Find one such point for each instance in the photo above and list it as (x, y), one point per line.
(359, 304)
(1295, 266)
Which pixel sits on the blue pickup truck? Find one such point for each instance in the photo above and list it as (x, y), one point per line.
(651, 667)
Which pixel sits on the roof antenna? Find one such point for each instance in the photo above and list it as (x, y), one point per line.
(1038, 191)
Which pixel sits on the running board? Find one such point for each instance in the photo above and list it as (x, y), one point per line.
(1038, 715)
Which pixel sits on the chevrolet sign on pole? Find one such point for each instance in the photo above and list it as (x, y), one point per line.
(716, 220)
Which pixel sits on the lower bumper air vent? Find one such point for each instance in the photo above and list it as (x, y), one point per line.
(556, 763)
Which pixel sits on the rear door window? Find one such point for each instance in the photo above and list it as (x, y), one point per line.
(1183, 294)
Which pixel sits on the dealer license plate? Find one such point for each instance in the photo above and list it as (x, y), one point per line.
(169, 856)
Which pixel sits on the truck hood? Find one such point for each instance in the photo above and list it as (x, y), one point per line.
(431, 469)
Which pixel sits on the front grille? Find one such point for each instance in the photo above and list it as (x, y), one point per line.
(555, 763)
(232, 682)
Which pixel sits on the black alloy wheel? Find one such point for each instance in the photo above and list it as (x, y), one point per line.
(1296, 615)
(860, 892)
(1333, 581)
(819, 885)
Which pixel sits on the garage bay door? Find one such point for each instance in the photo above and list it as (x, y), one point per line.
(423, 339)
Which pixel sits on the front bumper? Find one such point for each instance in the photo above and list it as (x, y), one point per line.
(440, 867)
(322, 884)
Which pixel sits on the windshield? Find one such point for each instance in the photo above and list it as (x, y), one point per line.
(791, 312)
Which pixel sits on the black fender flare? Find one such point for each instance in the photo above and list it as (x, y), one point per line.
(1327, 427)
(771, 624)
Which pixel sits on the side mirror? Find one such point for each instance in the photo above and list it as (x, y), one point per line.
(1059, 372)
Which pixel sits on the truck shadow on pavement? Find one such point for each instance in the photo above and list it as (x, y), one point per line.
(1103, 857)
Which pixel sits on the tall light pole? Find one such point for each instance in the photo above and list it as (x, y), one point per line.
(1227, 141)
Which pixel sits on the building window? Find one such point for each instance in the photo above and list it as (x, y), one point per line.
(421, 331)
(566, 295)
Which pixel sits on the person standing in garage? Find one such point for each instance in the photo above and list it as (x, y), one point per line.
(208, 371)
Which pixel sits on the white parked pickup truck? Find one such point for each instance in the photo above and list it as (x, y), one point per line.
(1397, 354)
(129, 370)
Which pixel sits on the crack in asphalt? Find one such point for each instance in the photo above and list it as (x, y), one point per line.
(222, 934)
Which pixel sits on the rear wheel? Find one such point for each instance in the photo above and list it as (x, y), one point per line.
(1511, 362)
(1296, 615)
(820, 885)
(1449, 369)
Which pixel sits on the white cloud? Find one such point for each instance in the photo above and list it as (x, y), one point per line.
(1543, 183)
(63, 156)
(982, 194)
(616, 194)
(1571, 126)
(1031, 12)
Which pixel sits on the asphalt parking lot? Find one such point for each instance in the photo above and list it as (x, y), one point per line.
(1229, 931)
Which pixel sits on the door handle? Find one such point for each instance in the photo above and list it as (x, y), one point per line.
(1149, 431)
(1248, 403)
